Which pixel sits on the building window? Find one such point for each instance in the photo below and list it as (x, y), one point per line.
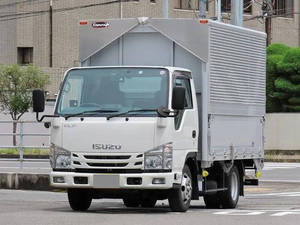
(152, 1)
(284, 8)
(187, 4)
(226, 6)
(25, 55)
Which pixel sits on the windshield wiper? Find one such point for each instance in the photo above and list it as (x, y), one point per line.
(91, 111)
(131, 111)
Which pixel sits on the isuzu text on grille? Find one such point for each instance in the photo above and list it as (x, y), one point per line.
(106, 147)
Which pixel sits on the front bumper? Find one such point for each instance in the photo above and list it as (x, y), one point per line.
(114, 181)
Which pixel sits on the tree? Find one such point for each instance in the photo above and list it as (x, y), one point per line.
(275, 54)
(16, 84)
(287, 84)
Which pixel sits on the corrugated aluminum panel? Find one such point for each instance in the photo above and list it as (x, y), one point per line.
(237, 71)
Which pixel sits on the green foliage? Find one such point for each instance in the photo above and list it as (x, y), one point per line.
(283, 78)
(277, 49)
(291, 108)
(281, 95)
(16, 84)
(294, 101)
(272, 104)
(287, 86)
(295, 78)
(290, 63)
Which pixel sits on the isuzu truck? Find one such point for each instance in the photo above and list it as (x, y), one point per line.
(159, 109)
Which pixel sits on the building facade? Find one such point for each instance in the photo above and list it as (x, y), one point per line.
(33, 31)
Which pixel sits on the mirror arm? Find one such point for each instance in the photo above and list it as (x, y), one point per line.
(175, 113)
(44, 116)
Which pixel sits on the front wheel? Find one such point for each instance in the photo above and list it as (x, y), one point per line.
(79, 199)
(180, 199)
(230, 197)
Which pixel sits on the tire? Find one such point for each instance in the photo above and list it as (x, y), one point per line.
(79, 199)
(131, 201)
(230, 197)
(148, 202)
(180, 199)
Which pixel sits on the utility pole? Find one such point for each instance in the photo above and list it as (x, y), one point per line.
(267, 13)
(121, 10)
(51, 33)
(202, 8)
(218, 10)
(165, 8)
(237, 11)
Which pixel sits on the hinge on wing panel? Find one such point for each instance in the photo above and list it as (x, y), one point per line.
(142, 20)
(263, 120)
(209, 120)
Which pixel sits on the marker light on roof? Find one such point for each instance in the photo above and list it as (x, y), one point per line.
(83, 22)
(203, 21)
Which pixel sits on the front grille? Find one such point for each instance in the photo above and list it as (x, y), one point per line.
(107, 164)
(107, 157)
(108, 161)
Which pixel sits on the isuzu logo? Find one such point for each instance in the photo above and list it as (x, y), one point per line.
(106, 147)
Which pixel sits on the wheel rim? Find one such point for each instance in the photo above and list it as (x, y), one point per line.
(234, 186)
(186, 188)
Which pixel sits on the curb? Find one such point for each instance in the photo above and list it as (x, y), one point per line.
(25, 181)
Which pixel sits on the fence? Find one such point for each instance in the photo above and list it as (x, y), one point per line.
(21, 134)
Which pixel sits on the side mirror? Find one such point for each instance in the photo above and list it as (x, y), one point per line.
(178, 98)
(38, 100)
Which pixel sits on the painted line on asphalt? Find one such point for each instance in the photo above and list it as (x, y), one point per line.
(281, 181)
(277, 213)
(281, 194)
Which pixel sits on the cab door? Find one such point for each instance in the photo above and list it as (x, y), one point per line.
(186, 121)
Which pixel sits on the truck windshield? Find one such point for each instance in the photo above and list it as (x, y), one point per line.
(113, 90)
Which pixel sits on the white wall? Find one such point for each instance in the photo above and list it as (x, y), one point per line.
(282, 131)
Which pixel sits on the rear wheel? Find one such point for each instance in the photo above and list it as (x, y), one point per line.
(230, 197)
(79, 199)
(131, 201)
(180, 199)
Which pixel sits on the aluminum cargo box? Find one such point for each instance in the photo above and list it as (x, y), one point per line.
(227, 64)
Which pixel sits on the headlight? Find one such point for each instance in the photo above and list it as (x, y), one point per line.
(59, 157)
(159, 158)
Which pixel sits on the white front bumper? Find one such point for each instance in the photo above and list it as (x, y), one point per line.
(115, 181)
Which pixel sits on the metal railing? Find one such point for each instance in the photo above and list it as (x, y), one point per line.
(21, 136)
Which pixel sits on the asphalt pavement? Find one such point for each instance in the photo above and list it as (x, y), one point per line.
(275, 201)
(270, 203)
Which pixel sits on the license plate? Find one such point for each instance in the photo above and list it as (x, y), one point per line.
(106, 181)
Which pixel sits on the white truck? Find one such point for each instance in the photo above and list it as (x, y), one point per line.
(159, 109)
